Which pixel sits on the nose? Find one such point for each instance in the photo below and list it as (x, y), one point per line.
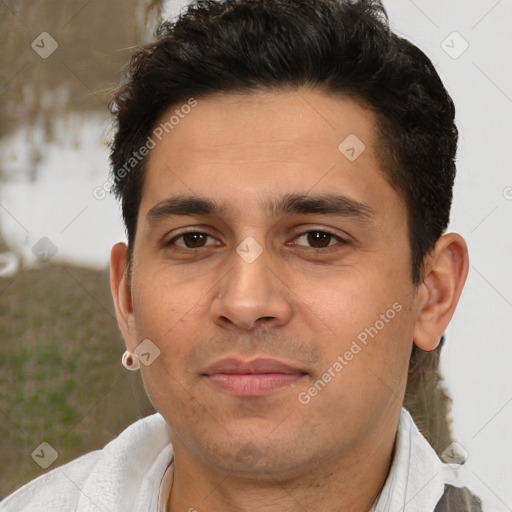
(252, 294)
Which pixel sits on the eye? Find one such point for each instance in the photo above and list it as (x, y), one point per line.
(191, 240)
(319, 239)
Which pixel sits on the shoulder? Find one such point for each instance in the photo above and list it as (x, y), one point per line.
(101, 476)
(57, 490)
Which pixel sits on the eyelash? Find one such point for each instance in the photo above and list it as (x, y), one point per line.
(328, 248)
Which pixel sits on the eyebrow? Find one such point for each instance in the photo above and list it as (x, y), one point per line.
(290, 204)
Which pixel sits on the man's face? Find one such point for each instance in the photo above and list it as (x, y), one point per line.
(307, 286)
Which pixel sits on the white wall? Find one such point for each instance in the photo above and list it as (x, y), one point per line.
(478, 353)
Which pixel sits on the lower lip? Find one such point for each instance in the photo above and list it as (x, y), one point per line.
(252, 384)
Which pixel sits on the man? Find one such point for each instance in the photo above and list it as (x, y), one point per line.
(285, 170)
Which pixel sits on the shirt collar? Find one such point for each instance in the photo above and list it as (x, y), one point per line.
(417, 476)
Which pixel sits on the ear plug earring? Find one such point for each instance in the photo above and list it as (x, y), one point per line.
(130, 361)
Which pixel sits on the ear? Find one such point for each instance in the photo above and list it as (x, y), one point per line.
(121, 293)
(446, 269)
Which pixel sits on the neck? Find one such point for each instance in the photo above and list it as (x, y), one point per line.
(350, 481)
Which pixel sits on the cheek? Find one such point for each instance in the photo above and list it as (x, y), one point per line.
(370, 328)
(378, 372)
(161, 315)
(164, 316)
(160, 300)
(354, 303)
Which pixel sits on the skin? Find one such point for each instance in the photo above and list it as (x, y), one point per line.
(302, 301)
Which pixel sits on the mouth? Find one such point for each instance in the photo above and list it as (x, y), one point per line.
(256, 377)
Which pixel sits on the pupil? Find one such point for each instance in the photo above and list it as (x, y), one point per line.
(193, 239)
(315, 237)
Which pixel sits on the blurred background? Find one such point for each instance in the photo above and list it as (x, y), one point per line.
(61, 380)
(60, 375)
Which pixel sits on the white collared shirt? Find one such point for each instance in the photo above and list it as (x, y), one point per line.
(134, 472)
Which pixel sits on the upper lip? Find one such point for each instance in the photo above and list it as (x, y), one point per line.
(259, 365)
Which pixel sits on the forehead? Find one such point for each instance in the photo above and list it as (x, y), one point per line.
(271, 124)
(240, 148)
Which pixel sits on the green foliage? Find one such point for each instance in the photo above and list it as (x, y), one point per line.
(61, 380)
